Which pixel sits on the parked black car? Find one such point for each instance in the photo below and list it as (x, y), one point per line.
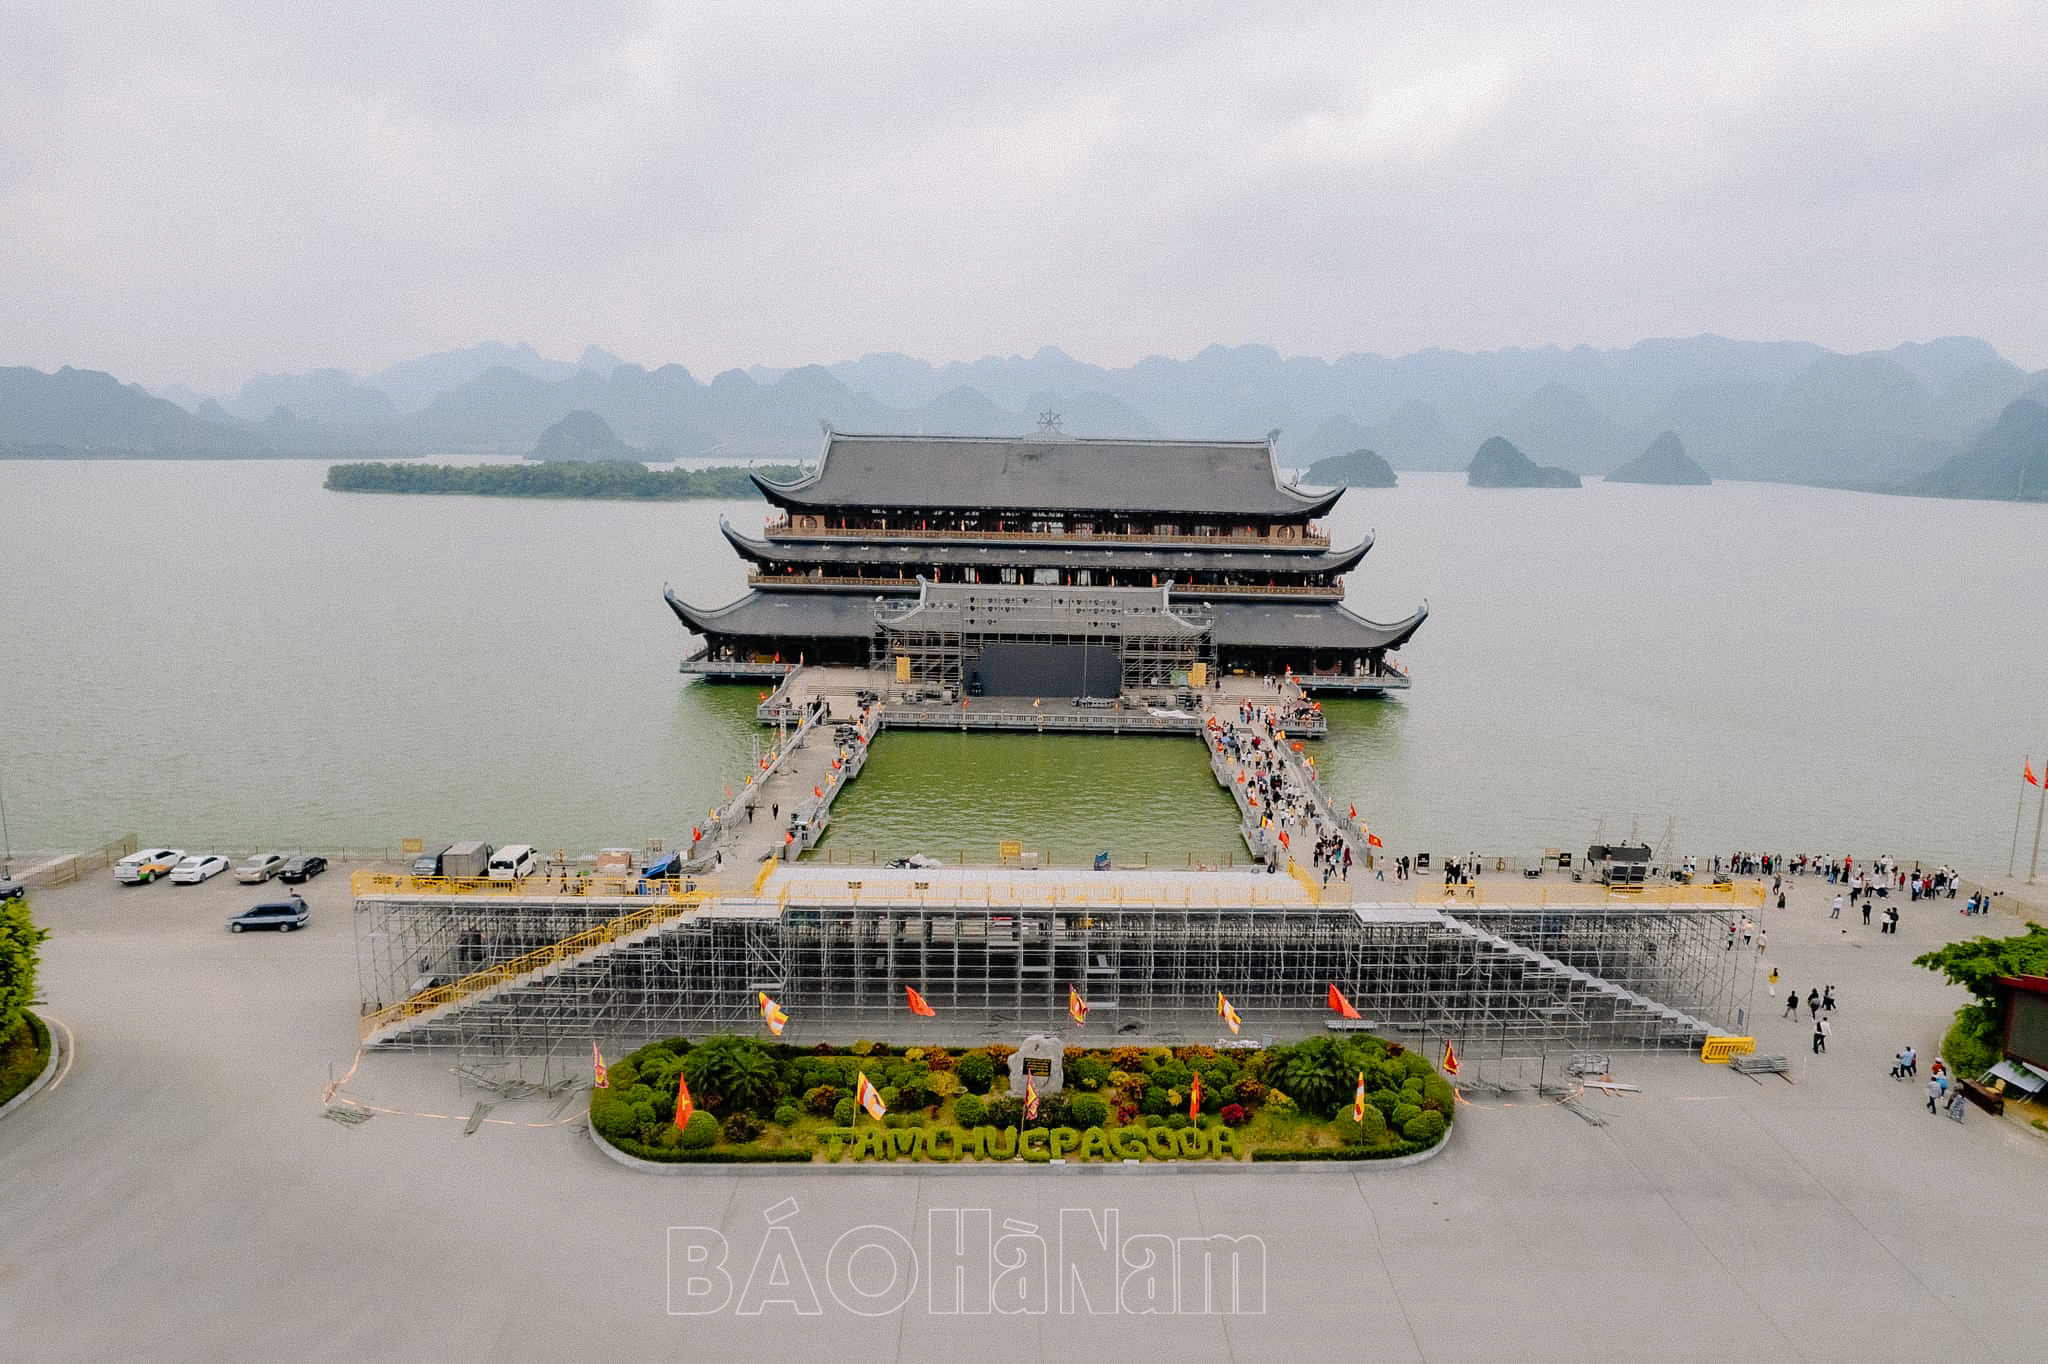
(302, 869)
(11, 890)
(283, 915)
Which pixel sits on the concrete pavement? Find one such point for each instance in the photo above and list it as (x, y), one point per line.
(178, 1196)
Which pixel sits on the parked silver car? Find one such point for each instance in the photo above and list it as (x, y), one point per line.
(259, 868)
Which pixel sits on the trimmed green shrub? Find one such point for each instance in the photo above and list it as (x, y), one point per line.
(1088, 1111)
(1425, 1128)
(977, 1071)
(702, 1131)
(969, 1111)
(1003, 1111)
(1088, 1073)
(1403, 1113)
(613, 1117)
(842, 1112)
(788, 1114)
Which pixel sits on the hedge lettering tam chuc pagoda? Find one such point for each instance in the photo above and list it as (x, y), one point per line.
(1047, 565)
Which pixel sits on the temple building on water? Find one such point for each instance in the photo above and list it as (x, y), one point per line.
(1047, 565)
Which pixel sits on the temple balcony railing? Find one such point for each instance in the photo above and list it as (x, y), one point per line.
(1311, 538)
(1183, 591)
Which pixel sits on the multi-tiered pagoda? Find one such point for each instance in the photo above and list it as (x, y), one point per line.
(885, 523)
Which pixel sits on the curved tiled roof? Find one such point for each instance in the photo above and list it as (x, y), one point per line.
(1071, 553)
(836, 615)
(972, 473)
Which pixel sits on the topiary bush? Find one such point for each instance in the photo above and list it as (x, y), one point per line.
(1087, 1110)
(822, 1099)
(702, 1131)
(969, 1111)
(842, 1112)
(739, 1128)
(977, 1071)
(1234, 1115)
(787, 1113)
(1403, 1114)
(1425, 1127)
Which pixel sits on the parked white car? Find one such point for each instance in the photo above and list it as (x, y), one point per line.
(145, 865)
(259, 868)
(197, 868)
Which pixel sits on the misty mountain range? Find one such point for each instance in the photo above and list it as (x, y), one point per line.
(1781, 411)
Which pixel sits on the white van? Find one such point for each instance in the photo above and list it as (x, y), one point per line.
(514, 862)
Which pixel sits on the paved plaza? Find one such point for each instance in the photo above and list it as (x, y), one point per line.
(178, 1196)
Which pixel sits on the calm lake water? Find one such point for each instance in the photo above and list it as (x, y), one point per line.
(227, 654)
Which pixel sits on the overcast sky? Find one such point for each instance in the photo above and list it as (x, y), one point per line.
(191, 192)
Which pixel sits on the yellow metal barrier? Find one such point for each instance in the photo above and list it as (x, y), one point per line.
(365, 883)
(575, 945)
(1717, 1050)
(1503, 891)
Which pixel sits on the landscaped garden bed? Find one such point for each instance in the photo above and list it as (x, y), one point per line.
(766, 1101)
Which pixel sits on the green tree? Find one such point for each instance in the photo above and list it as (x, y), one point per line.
(731, 1073)
(19, 941)
(1977, 1036)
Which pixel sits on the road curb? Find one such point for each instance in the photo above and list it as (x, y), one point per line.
(1014, 1167)
(36, 1085)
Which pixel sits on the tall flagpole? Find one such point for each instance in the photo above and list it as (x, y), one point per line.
(2012, 858)
(2035, 862)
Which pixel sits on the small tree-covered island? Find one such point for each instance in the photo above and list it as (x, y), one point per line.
(750, 1100)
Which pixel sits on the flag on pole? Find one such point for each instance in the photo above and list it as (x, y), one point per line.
(772, 1014)
(684, 1106)
(1340, 1005)
(1354, 812)
(1077, 1008)
(867, 1096)
(2032, 780)
(1358, 1100)
(1450, 1058)
(1372, 840)
(1195, 1097)
(1030, 1100)
(601, 1078)
(1226, 1013)
(917, 1004)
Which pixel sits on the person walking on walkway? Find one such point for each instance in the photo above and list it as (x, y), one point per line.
(1792, 1005)
(1866, 913)
(1827, 1000)
(1838, 908)
(1936, 1088)
(1912, 1061)
(1813, 1003)
(1820, 1035)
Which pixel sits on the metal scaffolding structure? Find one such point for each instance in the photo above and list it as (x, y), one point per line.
(1515, 983)
(947, 627)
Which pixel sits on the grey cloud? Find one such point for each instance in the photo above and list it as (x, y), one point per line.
(199, 192)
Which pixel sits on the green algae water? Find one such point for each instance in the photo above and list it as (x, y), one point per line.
(224, 654)
(1145, 800)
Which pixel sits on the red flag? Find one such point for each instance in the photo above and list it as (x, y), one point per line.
(1373, 840)
(603, 1077)
(1340, 1005)
(1354, 812)
(1195, 1097)
(1030, 1100)
(684, 1106)
(917, 1004)
(1450, 1058)
(2032, 780)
